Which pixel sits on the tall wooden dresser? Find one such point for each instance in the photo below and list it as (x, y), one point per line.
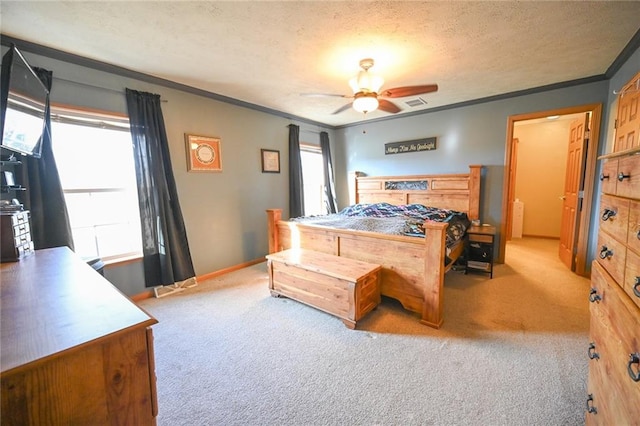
(614, 348)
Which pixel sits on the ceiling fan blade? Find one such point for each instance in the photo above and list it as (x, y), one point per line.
(387, 106)
(401, 92)
(343, 108)
(324, 95)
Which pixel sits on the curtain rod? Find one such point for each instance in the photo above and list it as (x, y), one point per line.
(120, 92)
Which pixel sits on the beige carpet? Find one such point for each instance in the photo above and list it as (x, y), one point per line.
(512, 351)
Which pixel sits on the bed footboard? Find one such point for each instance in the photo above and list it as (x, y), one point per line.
(412, 268)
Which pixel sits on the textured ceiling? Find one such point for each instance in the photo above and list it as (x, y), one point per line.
(267, 53)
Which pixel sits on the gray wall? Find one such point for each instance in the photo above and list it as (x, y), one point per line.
(224, 212)
(474, 134)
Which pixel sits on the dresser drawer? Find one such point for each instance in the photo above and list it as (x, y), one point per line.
(628, 177)
(632, 278)
(612, 255)
(621, 176)
(607, 384)
(23, 239)
(633, 236)
(608, 176)
(21, 228)
(601, 410)
(614, 216)
(612, 307)
(25, 249)
(615, 334)
(19, 218)
(610, 388)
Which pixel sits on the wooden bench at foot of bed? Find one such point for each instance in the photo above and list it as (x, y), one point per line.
(346, 288)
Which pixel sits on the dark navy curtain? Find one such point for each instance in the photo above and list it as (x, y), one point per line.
(329, 184)
(296, 186)
(166, 255)
(45, 200)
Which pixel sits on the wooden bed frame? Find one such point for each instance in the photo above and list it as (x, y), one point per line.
(412, 268)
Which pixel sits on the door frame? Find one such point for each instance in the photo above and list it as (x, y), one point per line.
(589, 179)
(511, 195)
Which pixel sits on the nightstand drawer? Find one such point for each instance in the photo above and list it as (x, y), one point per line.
(481, 238)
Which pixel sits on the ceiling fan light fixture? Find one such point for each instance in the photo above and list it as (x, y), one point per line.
(365, 102)
(366, 82)
(366, 89)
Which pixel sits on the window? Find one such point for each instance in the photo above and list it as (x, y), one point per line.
(313, 178)
(94, 155)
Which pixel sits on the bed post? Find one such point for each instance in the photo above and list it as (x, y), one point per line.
(432, 307)
(273, 217)
(474, 191)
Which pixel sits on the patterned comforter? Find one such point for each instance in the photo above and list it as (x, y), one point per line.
(387, 218)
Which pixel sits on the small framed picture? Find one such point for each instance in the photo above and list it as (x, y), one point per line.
(270, 161)
(203, 153)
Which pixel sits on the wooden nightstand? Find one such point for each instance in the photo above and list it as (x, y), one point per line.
(480, 241)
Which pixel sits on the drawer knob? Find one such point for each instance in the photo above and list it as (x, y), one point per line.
(590, 407)
(592, 351)
(622, 176)
(594, 296)
(634, 359)
(603, 177)
(636, 287)
(605, 253)
(608, 214)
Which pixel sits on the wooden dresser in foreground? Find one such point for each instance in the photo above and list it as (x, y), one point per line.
(74, 350)
(614, 348)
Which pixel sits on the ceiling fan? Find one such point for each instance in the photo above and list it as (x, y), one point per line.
(366, 92)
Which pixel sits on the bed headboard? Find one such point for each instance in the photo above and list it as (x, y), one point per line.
(459, 192)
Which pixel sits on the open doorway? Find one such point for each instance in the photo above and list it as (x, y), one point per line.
(577, 233)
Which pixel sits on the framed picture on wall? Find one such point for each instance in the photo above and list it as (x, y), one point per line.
(270, 161)
(203, 153)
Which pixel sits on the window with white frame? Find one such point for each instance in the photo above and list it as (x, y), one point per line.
(313, 178)
(94, 156)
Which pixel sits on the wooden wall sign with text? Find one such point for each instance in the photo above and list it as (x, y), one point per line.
(417, 145)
